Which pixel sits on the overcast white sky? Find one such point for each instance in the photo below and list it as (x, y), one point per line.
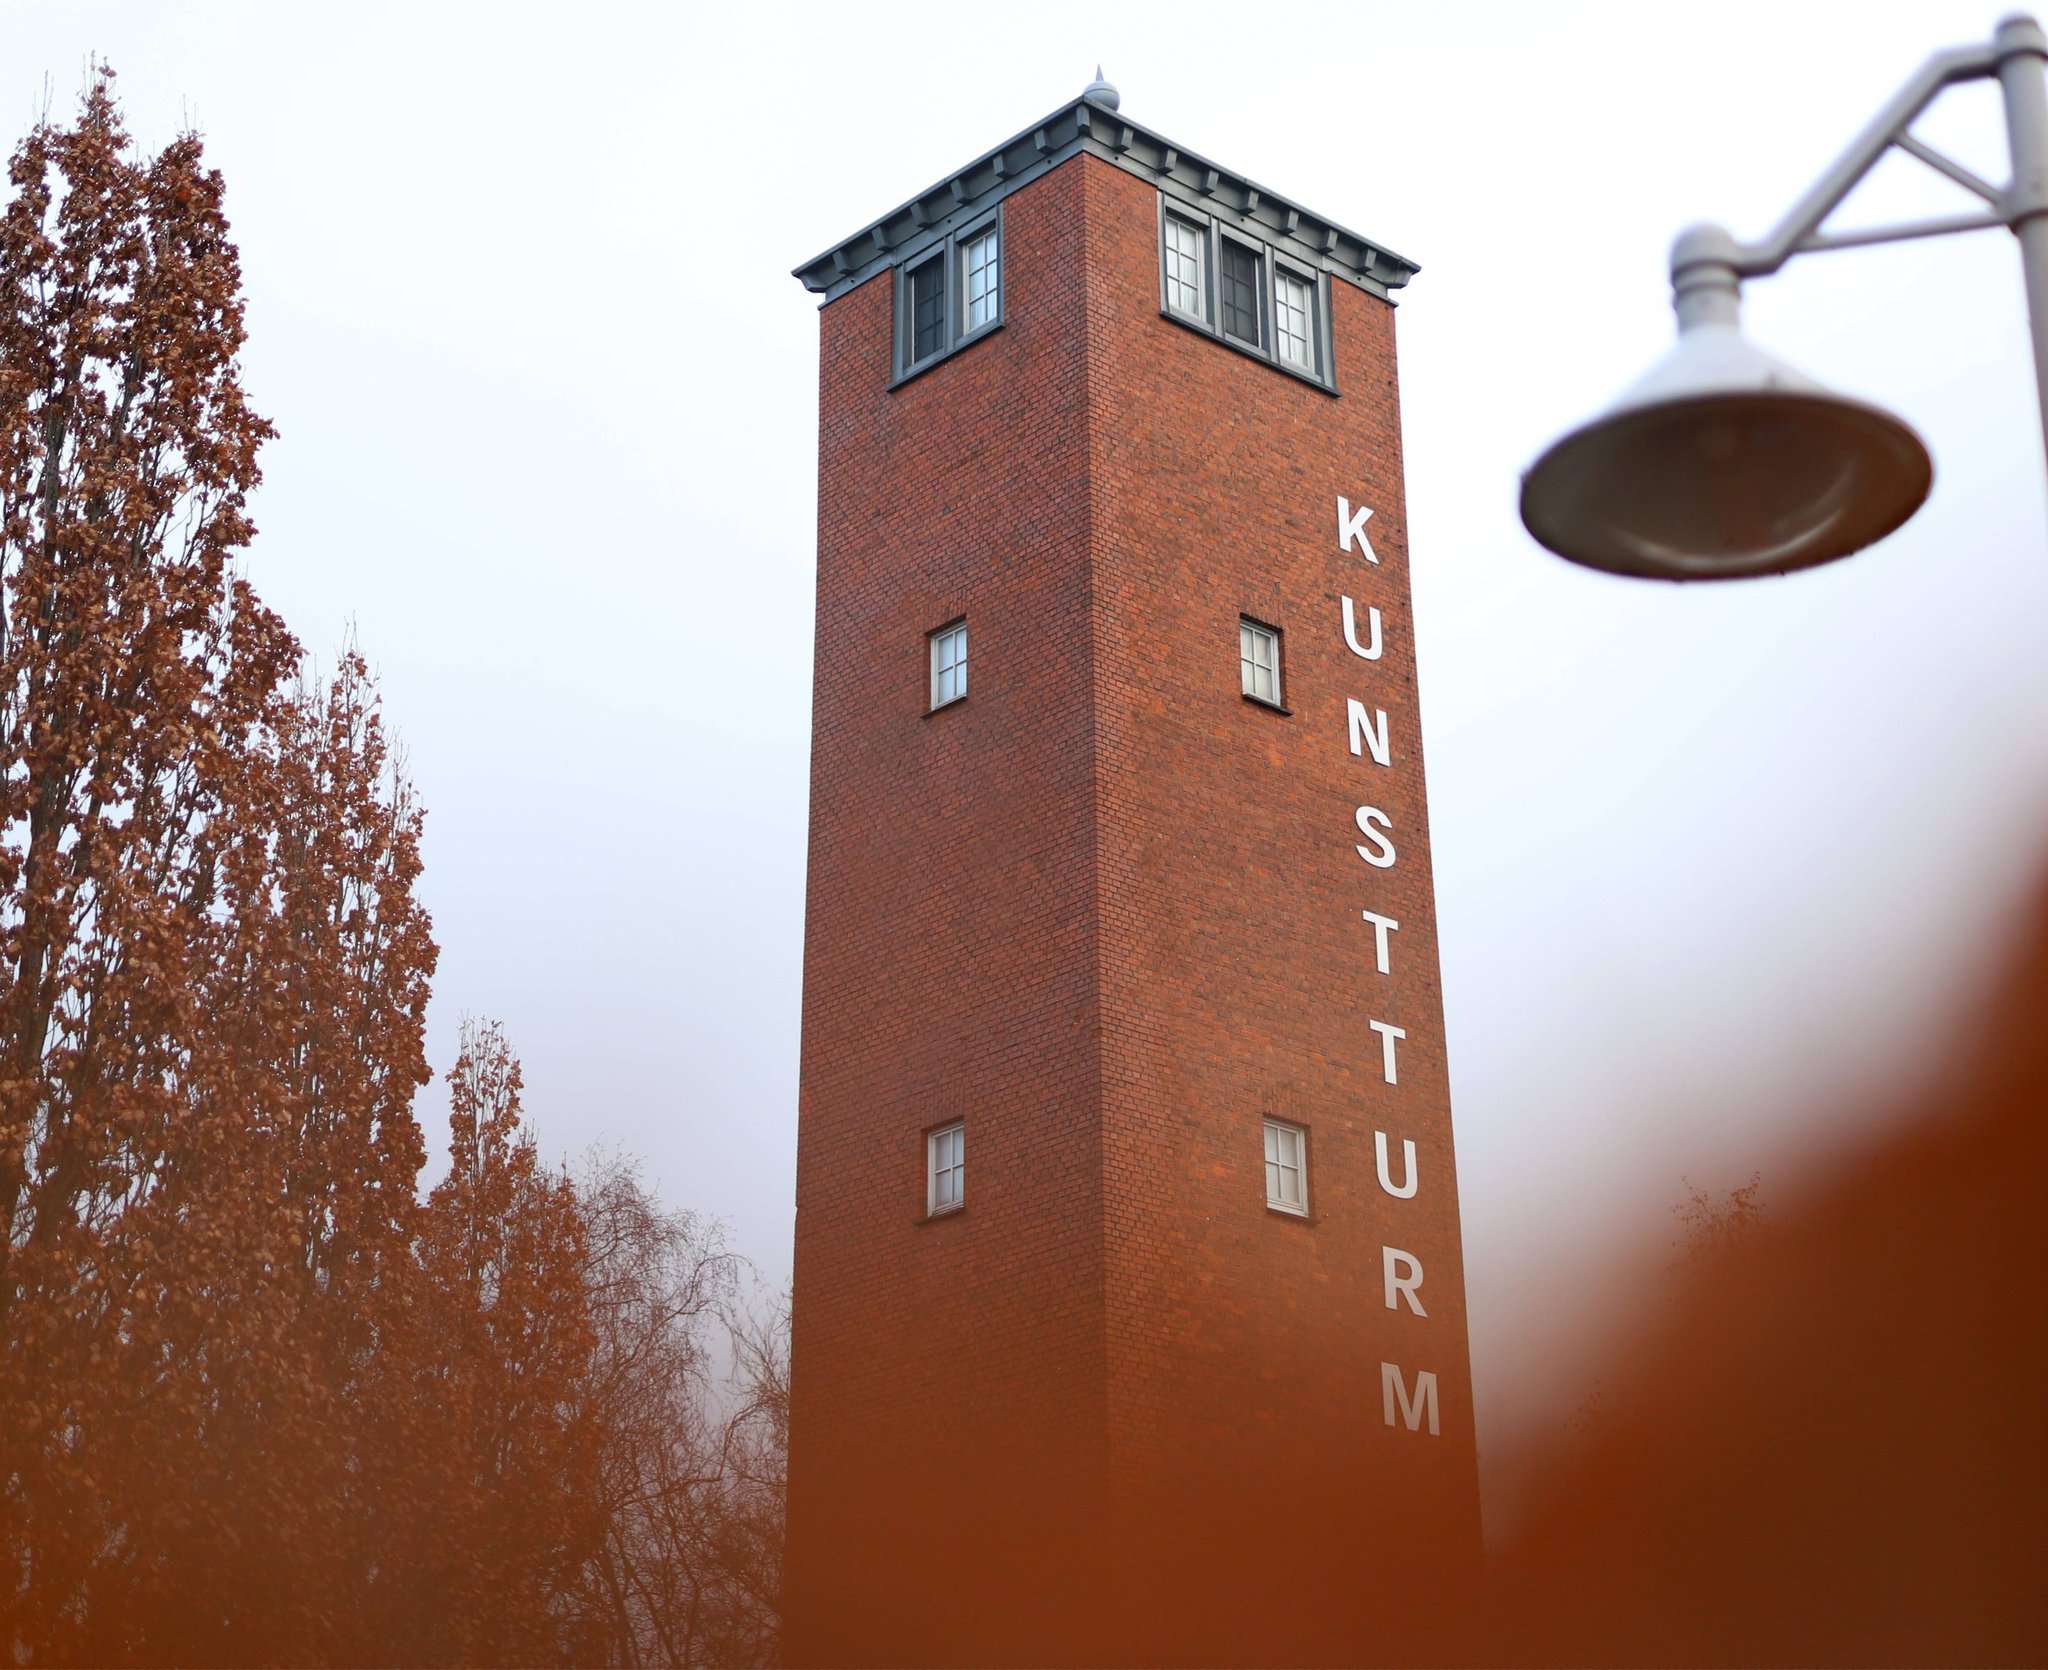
(519, 305)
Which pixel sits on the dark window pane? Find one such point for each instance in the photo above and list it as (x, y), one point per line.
(927, 309)
(1240, 292)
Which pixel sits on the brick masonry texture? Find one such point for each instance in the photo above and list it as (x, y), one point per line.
(1107, 911)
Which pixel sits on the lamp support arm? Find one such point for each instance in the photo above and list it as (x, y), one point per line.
(1886, 129)
(1708, 264)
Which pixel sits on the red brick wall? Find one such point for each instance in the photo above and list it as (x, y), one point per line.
(1109, 911)
(1238, 978)
(947, 1383)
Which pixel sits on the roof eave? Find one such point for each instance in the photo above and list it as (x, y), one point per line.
(1085, 125)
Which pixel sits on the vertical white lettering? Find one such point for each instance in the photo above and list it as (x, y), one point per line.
(1351, 525)
(1381, 927)
(1368, 817)
(1379, 1148)
(1398, 1285)
(1368, 733)
(1372, 619)
(1412, 1409)
(1387, 1036)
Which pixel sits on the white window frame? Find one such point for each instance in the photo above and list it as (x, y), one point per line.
(954, 331)
(1286, 273)
(1275, 1134)
(938, 1143)
(939, 639)
(1249, 631)
(991, 233)
(1170, 220)
(1213, 231)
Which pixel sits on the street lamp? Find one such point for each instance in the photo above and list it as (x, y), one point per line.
(1724, 462)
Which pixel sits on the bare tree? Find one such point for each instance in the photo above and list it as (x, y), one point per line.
(690, 1479)
(756, 1482)
(1714, 1225)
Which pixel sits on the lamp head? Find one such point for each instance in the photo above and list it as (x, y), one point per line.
(1723, 462)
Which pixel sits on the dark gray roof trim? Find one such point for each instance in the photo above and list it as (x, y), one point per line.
(1100, 131)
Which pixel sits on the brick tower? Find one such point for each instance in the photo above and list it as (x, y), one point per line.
(1129, 1295)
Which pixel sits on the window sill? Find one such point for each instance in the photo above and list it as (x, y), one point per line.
(1270, 707)
(1306, 1219)
(918, 370)
(944, 707)
(939, 1217)
(1201, 327)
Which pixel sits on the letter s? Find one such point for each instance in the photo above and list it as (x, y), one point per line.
(1382, 855)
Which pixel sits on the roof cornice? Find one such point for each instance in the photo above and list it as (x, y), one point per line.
(1101, 131)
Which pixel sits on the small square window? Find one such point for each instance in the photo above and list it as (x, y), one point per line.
(946, 1170)
(949, 663)
(1286, 1168)
(1258, 654)
(1187, 289)
(1238, 269)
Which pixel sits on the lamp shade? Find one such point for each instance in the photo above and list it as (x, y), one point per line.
(1723, 462)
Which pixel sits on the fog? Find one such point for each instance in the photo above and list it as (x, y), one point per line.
(1715, 866)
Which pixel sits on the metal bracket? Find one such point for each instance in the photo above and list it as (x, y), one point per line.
(1799, 233)
(1708, 264)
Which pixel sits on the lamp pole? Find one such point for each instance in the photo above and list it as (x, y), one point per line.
(1723, 462)
(2022, 51)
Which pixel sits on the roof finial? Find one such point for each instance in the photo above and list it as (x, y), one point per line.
(1100, 92)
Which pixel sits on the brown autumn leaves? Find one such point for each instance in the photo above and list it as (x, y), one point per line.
(259, 1402)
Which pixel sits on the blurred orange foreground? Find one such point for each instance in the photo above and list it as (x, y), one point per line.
(1828, 1447)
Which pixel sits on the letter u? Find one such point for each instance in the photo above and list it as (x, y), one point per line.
(1372, 618)
(1379, 1150)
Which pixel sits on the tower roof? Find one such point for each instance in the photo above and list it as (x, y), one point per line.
(1093, 123)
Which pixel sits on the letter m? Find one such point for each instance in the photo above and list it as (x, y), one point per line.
(1412, 1409)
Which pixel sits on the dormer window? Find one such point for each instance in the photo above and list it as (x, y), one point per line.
(1294, 320)
(981, 276)
(1254, 296)
(927, 307)
(1187, 285)
(1243, 292)
(949, 294)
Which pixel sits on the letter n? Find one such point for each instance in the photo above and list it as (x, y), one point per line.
(1368, 733)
